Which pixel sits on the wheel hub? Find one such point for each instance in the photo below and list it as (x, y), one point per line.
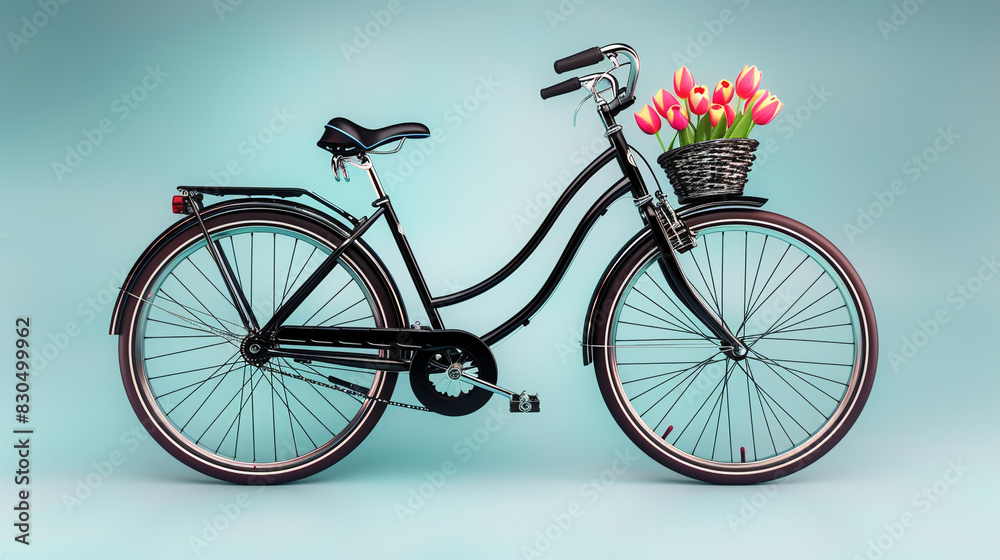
(254, 350)
(738, 354)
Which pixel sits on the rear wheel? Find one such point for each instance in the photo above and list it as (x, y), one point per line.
(189, 366)
(791, 297)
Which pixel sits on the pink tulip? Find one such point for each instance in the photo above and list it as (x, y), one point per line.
(723, 92)
(648, 120)
(757, 96)
(747, 82)
(683, 82)
(766, 109)
(676, 117)
(730, 115)
(699, 100)
(715, 113)
(664, 100)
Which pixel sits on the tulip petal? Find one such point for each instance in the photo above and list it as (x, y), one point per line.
(648, 120)
(683, 82)
(664, 100)
(747, 82)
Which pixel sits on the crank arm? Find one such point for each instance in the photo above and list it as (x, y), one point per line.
(519, 402)
(475, 381)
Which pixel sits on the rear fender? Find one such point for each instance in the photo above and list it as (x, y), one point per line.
(127, 298)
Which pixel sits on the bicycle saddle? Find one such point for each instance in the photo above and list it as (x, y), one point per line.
(344, 138)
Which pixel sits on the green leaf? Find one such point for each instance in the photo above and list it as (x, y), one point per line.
(741, 127)
(720, 129)
(704, 129)
(686, 136)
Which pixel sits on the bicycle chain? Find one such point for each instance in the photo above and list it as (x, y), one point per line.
(349, 391)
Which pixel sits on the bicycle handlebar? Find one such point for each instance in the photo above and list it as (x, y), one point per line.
(568, 86)
(581, 59)
(621, 97)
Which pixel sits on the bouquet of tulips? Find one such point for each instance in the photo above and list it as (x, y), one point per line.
(711, 115)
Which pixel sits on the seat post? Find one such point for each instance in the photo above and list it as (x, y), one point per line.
(373, 177)
(404, 246)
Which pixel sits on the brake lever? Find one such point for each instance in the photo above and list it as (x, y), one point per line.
(580, 106)
(584, 100)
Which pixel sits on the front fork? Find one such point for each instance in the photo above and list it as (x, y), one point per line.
(669, 232)
(668, 235)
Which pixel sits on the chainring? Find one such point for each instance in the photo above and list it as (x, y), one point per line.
(440, 393)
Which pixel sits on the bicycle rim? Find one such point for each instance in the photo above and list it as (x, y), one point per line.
(790, 302)
(198, 388)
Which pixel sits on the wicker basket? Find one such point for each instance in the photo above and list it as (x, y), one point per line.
(709, 168)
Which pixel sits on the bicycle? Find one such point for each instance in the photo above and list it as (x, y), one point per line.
(260, 339)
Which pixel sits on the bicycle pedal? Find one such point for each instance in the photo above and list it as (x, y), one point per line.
(524, 403)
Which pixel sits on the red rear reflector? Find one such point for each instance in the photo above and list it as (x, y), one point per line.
(179, 205)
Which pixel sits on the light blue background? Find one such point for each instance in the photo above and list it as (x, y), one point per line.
(65, 243)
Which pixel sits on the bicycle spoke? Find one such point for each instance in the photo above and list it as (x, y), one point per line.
(679, 323)
(693, 324)
(342, 288)
(794, 317)
(679, 328)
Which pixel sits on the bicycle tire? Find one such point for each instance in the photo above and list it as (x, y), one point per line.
(194, 311)
(657, 426)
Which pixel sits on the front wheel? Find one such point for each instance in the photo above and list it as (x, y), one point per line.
(800, 308)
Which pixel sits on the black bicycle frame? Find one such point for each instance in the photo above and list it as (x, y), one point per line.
(432, 304)
(631, 182)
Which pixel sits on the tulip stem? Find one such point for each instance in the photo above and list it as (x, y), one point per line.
(661, 141)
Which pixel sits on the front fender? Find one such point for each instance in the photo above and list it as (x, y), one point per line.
(126, 297)
(697, 208)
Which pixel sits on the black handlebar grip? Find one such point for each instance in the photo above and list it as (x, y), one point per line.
(568, 86)
(579, 60)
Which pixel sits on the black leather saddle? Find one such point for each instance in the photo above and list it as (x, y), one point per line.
(344, 138)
